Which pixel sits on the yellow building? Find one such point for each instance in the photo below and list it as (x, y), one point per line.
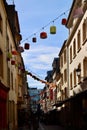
(12, 77)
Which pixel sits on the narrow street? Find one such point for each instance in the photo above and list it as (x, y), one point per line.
(44, 127)
(50, 127)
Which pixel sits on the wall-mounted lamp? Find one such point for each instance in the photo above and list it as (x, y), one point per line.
(78, 72)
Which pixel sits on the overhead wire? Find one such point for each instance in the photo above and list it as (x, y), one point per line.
(46, 25)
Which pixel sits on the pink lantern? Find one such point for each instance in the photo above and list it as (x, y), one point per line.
(20, 49)
(78, 12)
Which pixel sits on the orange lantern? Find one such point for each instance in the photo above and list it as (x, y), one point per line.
(64, 21)
(34, 39)
(27, 46)
(43, 35)
(53, 30)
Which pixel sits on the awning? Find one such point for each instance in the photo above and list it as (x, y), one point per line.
(79, 95)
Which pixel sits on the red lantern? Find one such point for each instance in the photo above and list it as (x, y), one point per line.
(27, 46)
(64, 21)
(14, 52)
(34, 39)
(43, 35)
(13, 62)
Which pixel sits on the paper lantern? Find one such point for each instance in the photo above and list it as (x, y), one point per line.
(20, 49)
(34, 39)
(53, 30)
(64, 21)
(27, 46)
(12, 62)
(78, 12)
(43, 35)
(14, 52)
(9, 56)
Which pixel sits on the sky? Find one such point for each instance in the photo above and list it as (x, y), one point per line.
(36, 16)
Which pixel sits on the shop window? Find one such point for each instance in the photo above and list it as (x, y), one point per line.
(1, 64)
(78, 41)
(74, 48)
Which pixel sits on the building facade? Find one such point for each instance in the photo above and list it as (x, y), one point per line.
(71, 100)
(13, 79)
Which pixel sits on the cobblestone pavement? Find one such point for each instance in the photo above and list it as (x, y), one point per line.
(50, 127)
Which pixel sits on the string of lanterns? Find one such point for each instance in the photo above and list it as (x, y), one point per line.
(38, 79)
(78, 12)
(43, 34)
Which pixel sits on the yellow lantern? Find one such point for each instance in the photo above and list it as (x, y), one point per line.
(53, 30)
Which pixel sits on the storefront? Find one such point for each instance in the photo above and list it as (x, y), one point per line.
(73, 111)
(3, 106)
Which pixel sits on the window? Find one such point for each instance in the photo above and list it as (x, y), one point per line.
(65, 56)
(74, 48)
(85, 67)
(70, 54)
(1, 24)
(75, 77)
(71, 81)
(79, 77)
(1, 64)
(61, 62)
(61, 79)
(84, 31)
(65, 75)
(78, 41)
